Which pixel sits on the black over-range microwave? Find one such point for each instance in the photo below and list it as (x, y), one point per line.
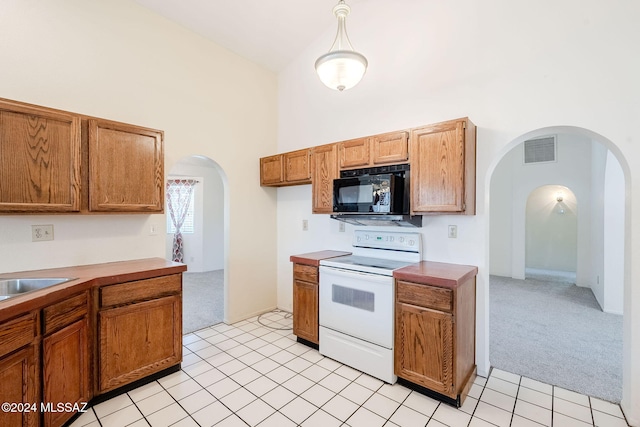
(376, 190)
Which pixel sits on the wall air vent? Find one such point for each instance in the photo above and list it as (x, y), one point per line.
(540, 150)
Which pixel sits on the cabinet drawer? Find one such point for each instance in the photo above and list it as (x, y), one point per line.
(64, 313)
(425, 296)
(140, 290)
(306, 273)
(17, 333)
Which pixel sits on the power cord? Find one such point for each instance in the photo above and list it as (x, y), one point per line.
(286, 315)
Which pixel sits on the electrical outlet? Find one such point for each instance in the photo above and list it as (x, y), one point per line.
(453, 231)
(341, 227)
(305, 225)
(153, 230)
(40, 233)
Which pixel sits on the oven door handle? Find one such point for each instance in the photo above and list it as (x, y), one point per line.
(353, 274)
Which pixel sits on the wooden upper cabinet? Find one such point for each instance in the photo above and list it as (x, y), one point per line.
(443, 164)
(271, 170)
(354, 153)
(390, 148)
(376, 150)
(126, 168)
(292, 168)
(324, 169)
(297, 167)
(40, 158)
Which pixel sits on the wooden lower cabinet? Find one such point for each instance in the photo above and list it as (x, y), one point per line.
(66, 370)
(435, 338)
(305, 303)
(424, 352)
(137, 340)
(66, 357)
(19, 384)
(20, 370)
(62, 352)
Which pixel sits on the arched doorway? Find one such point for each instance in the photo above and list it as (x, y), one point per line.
(206, 247)
(506, 250)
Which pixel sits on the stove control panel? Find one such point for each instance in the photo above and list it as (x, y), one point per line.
(397, 241)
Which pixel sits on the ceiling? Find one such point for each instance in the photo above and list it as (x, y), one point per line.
(270, 33)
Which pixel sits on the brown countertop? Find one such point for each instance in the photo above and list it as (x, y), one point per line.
(314, 258)
(87, 276)
(436, 273)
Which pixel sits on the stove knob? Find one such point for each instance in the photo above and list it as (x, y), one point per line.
(412, 242)
(401, 239)
(391, 238)
(359, 239)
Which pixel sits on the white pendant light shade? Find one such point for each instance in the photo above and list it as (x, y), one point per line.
(342, 68)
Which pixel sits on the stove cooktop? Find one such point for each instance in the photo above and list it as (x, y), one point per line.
(365, 264)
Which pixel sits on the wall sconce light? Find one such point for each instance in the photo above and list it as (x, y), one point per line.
(559, 206)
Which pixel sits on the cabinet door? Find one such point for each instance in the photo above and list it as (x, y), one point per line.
(424, 347)
(439, 169)
(138, 340)
(19, 384)
(126, 168)
(40, 159)
(324, 169)
(305, 310)
(354, 153)
(66, 370)
(271, 170)
(390, 148)
(296, 166)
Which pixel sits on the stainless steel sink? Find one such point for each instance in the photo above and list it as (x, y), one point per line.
(13, 287)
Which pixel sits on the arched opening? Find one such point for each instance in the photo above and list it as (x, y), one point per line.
(594, 169)
(206, 245)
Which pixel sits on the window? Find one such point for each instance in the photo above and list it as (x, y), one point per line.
(188, 226)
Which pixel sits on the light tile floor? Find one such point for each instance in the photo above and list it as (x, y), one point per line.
(250, 374)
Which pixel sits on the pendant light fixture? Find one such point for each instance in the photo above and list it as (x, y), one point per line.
(342, 67)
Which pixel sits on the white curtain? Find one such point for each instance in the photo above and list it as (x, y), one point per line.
(179, 193)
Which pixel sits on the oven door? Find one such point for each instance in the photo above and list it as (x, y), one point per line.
(357, 304)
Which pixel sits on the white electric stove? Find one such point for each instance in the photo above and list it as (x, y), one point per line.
(357, 300)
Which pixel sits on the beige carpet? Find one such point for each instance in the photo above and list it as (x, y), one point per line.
(556, 333)
(202, 300)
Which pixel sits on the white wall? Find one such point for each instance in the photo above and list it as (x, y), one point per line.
(551, 229)
(614, 232)
(597, 262)
(512, 67)
(117, 60)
